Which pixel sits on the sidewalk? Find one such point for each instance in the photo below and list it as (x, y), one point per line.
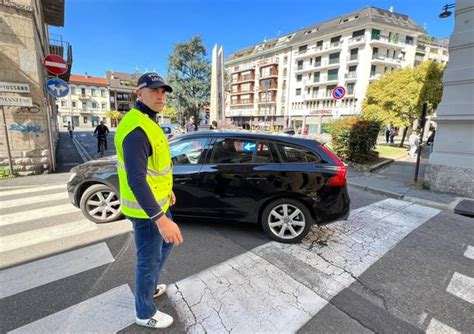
(397, 181)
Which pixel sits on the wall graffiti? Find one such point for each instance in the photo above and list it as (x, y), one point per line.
(25, 128)
(32, 110)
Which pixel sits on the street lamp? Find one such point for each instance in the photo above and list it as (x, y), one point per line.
(446, 13)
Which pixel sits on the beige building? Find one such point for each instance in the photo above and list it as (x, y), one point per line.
(86, 104)
(28, 138)
(289, 81)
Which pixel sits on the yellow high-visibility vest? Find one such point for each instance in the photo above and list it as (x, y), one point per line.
(159, 167)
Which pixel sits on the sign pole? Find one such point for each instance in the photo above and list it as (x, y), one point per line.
(10, 163)
(421, 126)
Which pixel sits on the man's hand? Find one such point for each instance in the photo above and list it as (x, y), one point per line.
(169, 230)
(173, 199)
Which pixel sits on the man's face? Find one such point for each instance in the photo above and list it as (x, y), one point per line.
(153, 98)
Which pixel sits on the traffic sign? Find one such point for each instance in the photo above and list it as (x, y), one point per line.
(338, 92)
(55, 64)
(57, 87)
(249, 146)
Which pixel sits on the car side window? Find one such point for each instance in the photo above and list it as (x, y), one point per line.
(293, 154)
(166, 130)
(263, 154)
(232, 151)
(187, 152)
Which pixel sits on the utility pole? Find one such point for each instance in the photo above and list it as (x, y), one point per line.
(10, 163)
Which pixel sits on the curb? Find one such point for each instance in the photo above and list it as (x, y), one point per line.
(437, 205)
(380, 164)
(85, 156)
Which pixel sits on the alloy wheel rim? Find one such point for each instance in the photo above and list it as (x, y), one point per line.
(103, 205)
(286, 221)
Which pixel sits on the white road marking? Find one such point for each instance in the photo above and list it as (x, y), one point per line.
(264, 291)
(34, 237)
(106, 313)
(25, 216)
(437, 327)
(462, 286)
(41, 272)
(30, 189)
(469, 253)
(32, 200)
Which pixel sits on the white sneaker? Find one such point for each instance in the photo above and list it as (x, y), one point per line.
(159, 320)
(160, 289)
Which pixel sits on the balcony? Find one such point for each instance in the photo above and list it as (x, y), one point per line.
(242, 102)
(333, 46)
(353, 58)
(375, 76)
(350, 76)
(384, 60)
(63, 49)
(263, 88)
(84, 97)
(244, 78)
(357, 40)
(269, 61)
(270, 74)
(311, 82)
(385, 40)
(311, 51)
(243, 68)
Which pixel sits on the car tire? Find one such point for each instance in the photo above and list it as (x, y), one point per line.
(100, 204)
(291, 227)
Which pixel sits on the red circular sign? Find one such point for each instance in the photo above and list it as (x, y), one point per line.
(55, 64)
(338, 92)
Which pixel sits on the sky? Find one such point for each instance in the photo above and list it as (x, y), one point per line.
(129, 35)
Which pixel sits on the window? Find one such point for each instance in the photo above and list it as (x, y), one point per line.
(350, 88)
(302, 49)
(187, 152)
(358, 33)
(375, 53)
(92, 91)
(332, 74)
(74, 104)
(73, 90)
(373, 68)
(63, 103)
(317, 61)
(263, 154)
(84, 106)
(83, 91)
(334, 58)
(228, 150)
(409, 40)
(319, 45)
(317, 76)
(102, 93)
(315, 92)
(64, 119)
(103, 106)
(300, 64)
(94, 105)
(299, 77)
(297, 154)
(375, 34)
(329, 90)
(298, 91)
(354, 54)
(335, 41)
(85, 119)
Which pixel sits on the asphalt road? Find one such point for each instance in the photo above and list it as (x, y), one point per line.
(392, 267)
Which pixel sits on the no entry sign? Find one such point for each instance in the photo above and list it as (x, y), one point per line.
(338, 92)
(55, 64)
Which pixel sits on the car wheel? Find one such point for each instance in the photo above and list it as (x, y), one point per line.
(100, 204)
(286, 220)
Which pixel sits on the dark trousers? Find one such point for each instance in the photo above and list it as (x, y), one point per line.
(98, 144)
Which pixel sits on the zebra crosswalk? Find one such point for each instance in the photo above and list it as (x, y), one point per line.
(273, 288)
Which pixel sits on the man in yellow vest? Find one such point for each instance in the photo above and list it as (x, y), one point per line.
(146, 193)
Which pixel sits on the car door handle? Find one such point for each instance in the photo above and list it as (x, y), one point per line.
(256, 178)
(182, 179)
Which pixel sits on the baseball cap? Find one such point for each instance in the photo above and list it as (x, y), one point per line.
(153, 80)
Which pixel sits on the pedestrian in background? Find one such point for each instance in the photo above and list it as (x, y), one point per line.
(393, 133)
(414, 142)
(101, 131)
(191, 126)
(70, 128)
(146, 194)
(388, 130)
(213, 125)
(430, 140)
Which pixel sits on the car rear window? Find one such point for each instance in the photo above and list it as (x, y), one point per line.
(295, 154)
(231, 151)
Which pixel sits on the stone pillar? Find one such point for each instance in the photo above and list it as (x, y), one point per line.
(451, 166)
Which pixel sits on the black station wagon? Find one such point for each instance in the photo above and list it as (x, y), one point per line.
(282, 182)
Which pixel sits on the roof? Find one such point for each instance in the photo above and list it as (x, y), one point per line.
(352, 20)
(88, 80)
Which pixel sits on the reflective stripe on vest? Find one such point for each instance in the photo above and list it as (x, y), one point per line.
(150, 172)
(135, 205)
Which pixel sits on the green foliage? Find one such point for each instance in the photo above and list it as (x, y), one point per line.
(169, 111)
(112, 114)
(189, 74)
(354, 139)
(397, 97)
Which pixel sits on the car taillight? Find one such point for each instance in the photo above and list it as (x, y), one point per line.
(338, 179)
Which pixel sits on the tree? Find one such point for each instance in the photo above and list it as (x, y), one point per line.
(397, 97)
(189, 75)
(114, 116)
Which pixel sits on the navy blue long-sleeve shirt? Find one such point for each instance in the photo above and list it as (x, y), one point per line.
(136, 150)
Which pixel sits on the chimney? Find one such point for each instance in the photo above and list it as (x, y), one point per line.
(391, 9)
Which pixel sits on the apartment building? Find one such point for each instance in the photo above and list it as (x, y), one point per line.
(289, 81)
(87, 102)
(122, 90)
(431, 49)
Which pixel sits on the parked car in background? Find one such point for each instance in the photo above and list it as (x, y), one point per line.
(284, 183)
(171, 130)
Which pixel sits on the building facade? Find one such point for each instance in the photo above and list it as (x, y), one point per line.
(86, 104)
(122, 90)
(217, 85)
(288, 82)
(29, 133)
